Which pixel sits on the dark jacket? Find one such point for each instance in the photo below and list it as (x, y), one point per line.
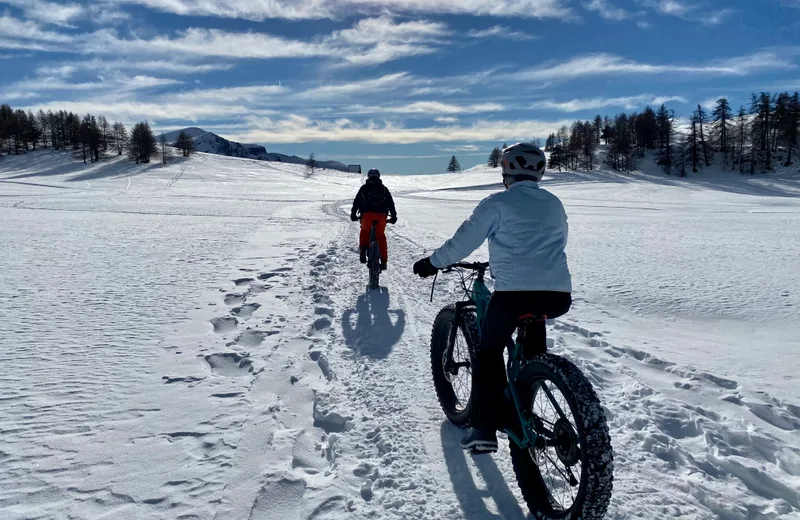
(374, 197)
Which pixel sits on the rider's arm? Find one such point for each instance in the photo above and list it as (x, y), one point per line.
(470, 235)
(357, 201)
(390, 203)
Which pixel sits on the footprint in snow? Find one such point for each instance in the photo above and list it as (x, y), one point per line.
(234, 298)
(253, 338)
(229, 364)
(224, 324)
(245, 311)
(243, 281)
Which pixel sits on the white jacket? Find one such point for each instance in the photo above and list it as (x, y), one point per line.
(527, 231)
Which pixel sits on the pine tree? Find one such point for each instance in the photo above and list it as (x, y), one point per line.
(185, 144)
(165, 149)
(556, 155)
(666, 136)
(792, 127)
(454, 166)
(598, 128)
(693, 143)
(142, 143)
(701, 120)
(44, 127)
(494, 157)
(120, 136)
(105, 131)
(741, 134)
(680, 152)
(720, 128)
(32, 131)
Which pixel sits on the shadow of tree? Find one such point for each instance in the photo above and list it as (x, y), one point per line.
(368, 329)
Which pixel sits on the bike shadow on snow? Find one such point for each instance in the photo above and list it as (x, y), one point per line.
(374, 332)
(469, 495)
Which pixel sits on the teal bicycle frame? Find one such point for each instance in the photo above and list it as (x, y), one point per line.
(478, 300)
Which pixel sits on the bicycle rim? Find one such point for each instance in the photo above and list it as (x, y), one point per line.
(560, 466)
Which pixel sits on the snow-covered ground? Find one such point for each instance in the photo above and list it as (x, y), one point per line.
(194, 341)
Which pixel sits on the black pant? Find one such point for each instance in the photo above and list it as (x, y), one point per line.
(488, 371)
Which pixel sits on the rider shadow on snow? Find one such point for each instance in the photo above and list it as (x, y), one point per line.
(472, 498)
(373, 332)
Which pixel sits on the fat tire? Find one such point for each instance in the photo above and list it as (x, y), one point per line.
(597, 459)
(468, 325)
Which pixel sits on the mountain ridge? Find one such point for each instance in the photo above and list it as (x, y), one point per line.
(209, 142)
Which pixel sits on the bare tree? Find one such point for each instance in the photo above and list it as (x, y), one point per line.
(166, 149)
(311, 165)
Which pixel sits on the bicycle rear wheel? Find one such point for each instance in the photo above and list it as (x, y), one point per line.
(571, 477)
(374, 260)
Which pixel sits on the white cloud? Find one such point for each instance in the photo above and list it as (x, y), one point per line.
(427, 107)
(370, 86)
(498, 31)
(259, 10)
(252, 94)
(138, 110)
(447, 120)
(460, 148)
(299, 129)
(369, 42)
(687, 11)
(607, 10)
(13, 28)
(642, 24)
(629, 102)
(606, 64)
(711, 103)
(57, 13)
(51, 79)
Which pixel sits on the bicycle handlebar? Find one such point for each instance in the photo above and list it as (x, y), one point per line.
(472, 266)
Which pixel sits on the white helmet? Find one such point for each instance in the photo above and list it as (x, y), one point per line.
(523, 159)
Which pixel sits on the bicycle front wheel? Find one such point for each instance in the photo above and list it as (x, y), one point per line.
(570, 476)
(451, 362)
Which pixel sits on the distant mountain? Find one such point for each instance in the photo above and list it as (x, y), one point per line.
(209, 142)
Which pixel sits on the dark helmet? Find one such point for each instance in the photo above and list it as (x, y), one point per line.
(373, 174)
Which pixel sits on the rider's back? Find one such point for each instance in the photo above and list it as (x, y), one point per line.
(526, 251)
(527, 231)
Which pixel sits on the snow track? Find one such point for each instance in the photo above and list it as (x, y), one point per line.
(162, 364)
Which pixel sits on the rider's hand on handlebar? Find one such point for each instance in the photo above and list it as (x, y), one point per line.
(424, 268)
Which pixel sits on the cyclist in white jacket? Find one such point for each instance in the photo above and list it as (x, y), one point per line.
(527, 231)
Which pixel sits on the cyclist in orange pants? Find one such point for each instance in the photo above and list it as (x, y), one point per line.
(373, 202)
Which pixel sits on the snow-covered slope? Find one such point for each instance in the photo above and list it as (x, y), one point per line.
(210, 142)
(194, 341)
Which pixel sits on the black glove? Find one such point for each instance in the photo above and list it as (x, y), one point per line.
(393, 219)
(424, 268)
(353, 216)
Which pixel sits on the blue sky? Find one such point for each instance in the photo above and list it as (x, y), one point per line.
(397, 84)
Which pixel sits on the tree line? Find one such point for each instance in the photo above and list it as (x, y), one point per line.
(748, 140)
(21, 130)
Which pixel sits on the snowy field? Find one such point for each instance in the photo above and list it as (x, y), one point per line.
(194, 341)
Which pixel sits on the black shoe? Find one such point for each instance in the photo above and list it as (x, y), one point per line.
(383, 265)
(480, 441)
(362, 255)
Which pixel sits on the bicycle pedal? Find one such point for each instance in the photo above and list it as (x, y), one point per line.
(482, 450)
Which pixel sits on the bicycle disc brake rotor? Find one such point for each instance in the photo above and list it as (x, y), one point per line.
(567, 443)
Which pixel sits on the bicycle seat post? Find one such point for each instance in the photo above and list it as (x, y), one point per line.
(532, 335)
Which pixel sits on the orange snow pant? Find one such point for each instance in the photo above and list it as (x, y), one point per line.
(380, 232)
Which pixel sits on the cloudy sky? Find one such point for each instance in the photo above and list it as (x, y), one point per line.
(398, 84)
